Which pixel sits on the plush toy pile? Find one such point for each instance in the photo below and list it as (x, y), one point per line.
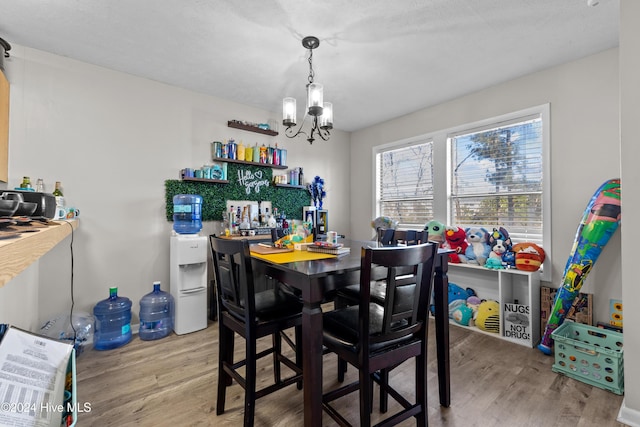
(477, 246)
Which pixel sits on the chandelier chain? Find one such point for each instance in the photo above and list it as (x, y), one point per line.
(311, 73)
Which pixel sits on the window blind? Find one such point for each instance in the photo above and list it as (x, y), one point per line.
(496, 178)
(405, 183)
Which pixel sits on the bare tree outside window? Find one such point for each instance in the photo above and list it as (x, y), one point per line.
(497, 179)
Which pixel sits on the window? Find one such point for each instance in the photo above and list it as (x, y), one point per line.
(496, 178)
(405, 183)
(493, 173)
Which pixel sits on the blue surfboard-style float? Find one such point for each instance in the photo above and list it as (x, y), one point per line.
(600, 220)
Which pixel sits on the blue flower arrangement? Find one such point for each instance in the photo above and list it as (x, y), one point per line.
(316, 189)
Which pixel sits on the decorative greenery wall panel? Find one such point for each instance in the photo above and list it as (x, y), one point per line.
(246, 182)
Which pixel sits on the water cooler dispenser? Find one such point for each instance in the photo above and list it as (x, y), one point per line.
(188, 282)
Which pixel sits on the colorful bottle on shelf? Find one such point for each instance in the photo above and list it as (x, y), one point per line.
(112, 321)
(240, 151)
(263, 154)
(256, 153)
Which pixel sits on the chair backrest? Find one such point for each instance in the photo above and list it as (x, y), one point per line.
(234, 276)
(409, 279)
(393, 237)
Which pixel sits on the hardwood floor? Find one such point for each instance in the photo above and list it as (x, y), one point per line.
(172, 382)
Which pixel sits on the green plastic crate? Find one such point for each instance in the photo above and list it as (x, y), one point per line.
(589, 354)
(74, 390)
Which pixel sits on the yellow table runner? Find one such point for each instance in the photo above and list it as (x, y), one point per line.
(285, 257)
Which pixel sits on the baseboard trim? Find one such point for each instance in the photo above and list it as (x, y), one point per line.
(628, 416)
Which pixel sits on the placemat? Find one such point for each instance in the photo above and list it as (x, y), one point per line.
(283, 258)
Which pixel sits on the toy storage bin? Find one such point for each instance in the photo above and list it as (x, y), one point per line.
(589, 354)
(73, 415)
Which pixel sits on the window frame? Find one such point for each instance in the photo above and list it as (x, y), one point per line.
(442, 168)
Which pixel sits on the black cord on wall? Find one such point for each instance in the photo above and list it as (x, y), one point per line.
(75, 333)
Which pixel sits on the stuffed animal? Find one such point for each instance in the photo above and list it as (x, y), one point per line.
(488, 318)
(456, 239)
(509, 259)
(500, 234)
(529, 256)
(383, 222)
(508, 256)
(494, 261)
(462, 315)
(478, 250)
(436, 231)
(457, 296)
(473, 302)
(458, 310)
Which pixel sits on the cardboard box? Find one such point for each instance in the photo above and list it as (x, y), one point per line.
(581, 311)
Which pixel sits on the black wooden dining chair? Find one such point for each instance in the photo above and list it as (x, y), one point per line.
(375, 338)
(350, 295)
(251, 315)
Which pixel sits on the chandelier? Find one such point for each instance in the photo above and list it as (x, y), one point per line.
(321, 113)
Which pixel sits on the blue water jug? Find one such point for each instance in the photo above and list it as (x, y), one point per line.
(112, 322)
(187, 213)
(156, 314)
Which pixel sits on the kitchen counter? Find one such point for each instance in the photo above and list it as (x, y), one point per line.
(18, 253)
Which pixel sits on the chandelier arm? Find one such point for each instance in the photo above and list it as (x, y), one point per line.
(290, 132)
(324, 134)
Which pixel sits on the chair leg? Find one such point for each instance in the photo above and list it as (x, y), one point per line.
(342, 368)
(250, 382)
(366, 397)
(384, 395)
(225, 351)
(421, 389)
(277, 350)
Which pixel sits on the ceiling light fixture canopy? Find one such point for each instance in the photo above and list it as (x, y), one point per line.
(321, 112)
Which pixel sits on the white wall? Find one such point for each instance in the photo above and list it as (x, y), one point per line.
(583, 97)
(630, 111)
(113, 139)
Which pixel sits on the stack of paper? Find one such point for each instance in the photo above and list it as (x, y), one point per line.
(32, 379)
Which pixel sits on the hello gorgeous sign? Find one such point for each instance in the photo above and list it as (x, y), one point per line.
(252, 181)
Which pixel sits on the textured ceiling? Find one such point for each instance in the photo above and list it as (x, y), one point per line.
(377, 59)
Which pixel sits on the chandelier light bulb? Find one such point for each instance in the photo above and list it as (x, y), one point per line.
(289, 111)
(314, 99)
(326, 120)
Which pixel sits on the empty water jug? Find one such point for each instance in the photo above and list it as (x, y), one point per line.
(156, 314)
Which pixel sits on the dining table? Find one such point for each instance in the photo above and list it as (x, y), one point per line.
(316, 277)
